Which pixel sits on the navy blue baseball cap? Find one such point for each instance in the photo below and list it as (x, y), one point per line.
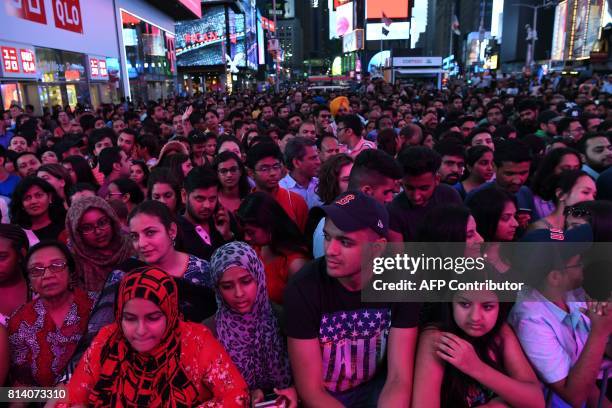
(354, 211)
(557, 248)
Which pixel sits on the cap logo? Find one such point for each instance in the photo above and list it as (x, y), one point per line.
(346, 199)
(557, 234)
(380, 224)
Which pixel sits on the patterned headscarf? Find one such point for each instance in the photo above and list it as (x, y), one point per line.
(153, 379)
(93, 266)
(253, 339)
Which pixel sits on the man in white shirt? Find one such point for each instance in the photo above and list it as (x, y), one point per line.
(302, 161)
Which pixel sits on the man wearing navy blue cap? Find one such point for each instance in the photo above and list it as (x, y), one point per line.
(337, 344)
(564, 344)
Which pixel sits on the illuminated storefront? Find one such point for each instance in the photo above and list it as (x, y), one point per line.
(150, 58)
(578, 24)
(77, 50)
(220, 50)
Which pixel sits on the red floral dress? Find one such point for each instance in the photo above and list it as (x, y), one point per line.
(39, 349)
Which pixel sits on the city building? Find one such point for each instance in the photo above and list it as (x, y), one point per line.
(219, 50)
(289, 32)
(88, 52)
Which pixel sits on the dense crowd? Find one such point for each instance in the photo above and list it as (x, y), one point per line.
(208, 250)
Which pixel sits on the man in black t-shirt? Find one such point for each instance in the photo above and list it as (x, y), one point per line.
(337, 344)
(422, 192)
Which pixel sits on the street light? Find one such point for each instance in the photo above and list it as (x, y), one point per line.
(532, 33)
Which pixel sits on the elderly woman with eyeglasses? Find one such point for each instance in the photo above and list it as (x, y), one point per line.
(44, 332)
(96, 241)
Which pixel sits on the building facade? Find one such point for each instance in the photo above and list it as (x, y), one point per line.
(69, 52)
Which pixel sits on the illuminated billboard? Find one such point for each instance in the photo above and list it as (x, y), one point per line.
(200, 42)
(250, 26)
(340, 20)
(237, 56)
(397, 9)
(261, 43)
(559, 32)
(397, 31)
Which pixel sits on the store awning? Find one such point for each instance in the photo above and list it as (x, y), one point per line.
(408, 71)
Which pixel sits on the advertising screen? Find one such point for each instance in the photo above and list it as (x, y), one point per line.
(579, 29)
(340, 19)
(397, 31)
(250, 24)
(559, 32)
(200, 42)
(261, 44)
(392, 9)
(237, 57)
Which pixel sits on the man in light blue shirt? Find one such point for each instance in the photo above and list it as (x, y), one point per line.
(302, 161)
(564, 344)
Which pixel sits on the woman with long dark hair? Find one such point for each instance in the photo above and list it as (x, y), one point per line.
(37, 207)
(449, 223)
(276, 238)
(165, 188)
(139, 173)
(495, 210)
(479, 165)
(571, 187)
(179, 165)
(546, 177)
(79, 170)
(334, 177)
(471, 357)
(233, 180)
(58, 177)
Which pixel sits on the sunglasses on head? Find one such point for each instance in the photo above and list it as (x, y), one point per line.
(577, 212)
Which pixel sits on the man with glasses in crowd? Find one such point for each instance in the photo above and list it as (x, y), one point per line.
(265, 166)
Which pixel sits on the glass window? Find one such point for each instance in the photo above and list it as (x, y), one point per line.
(10, 94)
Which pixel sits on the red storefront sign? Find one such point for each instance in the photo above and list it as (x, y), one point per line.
(93, 64)
(32, 10)
(98, 69)
(17, 61)
(28, 61)
(201, 37)
(268, 24)
(102, 68)
(67, 15)
(9, 59)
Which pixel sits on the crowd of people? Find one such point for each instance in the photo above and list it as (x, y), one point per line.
(208, 250)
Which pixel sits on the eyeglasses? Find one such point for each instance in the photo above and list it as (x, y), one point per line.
(231, 170)
(101, 224)
(339, 129)
(55, 267)
(267, 169)
(577, 212)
